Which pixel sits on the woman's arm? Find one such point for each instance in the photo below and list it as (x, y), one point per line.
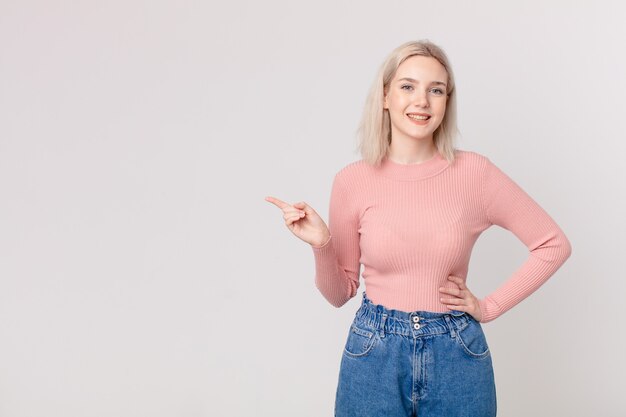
(507, 205)
(337, 266)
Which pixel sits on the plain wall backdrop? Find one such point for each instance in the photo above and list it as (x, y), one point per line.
(142, 273)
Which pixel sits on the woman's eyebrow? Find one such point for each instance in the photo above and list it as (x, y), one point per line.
(416, 82)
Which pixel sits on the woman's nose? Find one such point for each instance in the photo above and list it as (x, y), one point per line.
(421, 99)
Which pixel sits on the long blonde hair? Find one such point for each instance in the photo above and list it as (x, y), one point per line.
(374, 131)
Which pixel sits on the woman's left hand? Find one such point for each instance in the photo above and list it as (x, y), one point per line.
(463, 299)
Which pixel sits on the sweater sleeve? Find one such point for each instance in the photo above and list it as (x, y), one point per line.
(337, 262)
(509, 206)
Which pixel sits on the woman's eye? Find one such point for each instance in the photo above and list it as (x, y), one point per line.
(409, 87)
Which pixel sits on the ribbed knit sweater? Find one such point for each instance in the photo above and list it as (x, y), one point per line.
(413, 225)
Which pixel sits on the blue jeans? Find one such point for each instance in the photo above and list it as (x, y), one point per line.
(415, 364)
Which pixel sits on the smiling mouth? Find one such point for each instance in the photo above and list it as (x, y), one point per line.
(418, 117)
(419, 120)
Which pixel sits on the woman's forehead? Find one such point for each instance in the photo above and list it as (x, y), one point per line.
(421, 69)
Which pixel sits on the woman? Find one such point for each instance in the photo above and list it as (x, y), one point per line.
(410, 211)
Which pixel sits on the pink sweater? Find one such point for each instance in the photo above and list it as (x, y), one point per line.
(413, 225)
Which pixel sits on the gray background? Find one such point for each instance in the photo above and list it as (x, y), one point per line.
(142, 273)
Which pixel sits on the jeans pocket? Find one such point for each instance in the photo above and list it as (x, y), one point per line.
(473, 340)
(360, 341)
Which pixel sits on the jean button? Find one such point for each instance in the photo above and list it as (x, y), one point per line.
(416, 319)
(416, 326)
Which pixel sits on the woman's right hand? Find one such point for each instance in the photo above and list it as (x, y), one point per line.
(303, 221)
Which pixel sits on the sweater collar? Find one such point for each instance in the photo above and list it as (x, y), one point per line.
(398, 171)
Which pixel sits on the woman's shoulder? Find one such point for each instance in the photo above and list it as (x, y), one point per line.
(472, 160)
(354, 169)
(469, 156)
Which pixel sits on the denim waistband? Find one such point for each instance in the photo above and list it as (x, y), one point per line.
(415, 323)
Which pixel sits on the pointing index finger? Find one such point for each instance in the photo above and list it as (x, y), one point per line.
(278, 203)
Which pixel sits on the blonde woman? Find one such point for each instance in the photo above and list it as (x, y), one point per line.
(410, 212)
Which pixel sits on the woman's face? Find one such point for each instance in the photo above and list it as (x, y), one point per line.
(419, 86)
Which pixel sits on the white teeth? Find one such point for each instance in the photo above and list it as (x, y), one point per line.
(416, 117)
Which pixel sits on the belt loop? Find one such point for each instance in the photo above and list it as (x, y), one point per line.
(450, 325)
(381, 331)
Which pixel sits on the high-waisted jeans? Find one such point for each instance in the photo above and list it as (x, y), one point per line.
(415, 364)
